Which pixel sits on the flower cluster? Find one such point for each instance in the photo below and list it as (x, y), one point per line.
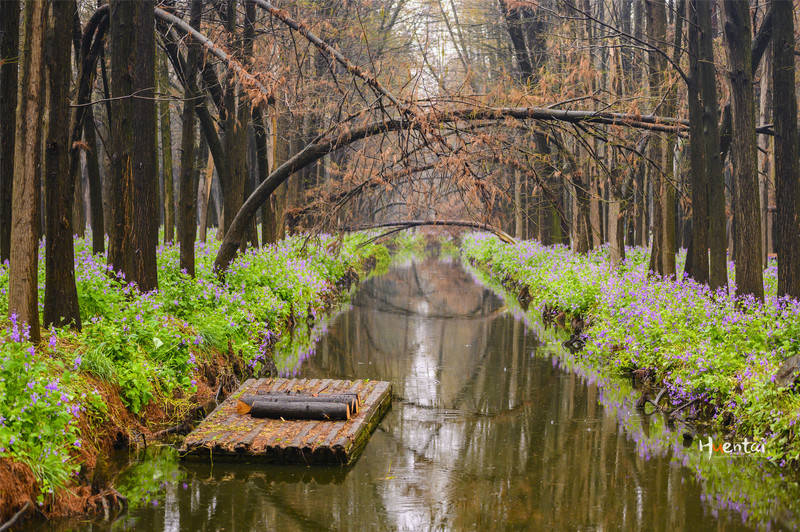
(150, 345)
(712, 347)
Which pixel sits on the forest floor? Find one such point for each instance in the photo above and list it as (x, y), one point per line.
(147, 366)
(711, 357)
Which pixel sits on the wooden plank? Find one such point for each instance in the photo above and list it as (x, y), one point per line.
(245, 442)
(372, 403)
(324, 385)
(227, 435)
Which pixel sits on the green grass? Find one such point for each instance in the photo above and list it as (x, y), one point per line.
(149, 346)
(714, 348)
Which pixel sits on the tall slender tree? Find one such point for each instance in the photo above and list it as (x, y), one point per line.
(95, 183)
(747, 211)
(237, 115)
(669, 245)
(23, 300)
(656, 15)
(787, 158)
(696, 265)
(187, 216)
(166, 148)
(718, 263)
(134, 229)
(9, 63)
(60, 296)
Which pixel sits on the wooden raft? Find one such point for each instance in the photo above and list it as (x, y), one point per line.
(226, 435)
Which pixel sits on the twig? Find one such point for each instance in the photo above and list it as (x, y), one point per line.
(684, 405)
(8, 524)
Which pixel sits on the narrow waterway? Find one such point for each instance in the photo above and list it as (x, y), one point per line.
(486, 432)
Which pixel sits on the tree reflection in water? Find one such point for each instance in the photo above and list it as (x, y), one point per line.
(483, 434)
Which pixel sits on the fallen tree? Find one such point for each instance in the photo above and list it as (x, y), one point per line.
(345, 136)
(400, 226)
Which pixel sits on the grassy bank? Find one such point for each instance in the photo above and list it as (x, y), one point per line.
(764, 494)
(144, 362)
(712, 351)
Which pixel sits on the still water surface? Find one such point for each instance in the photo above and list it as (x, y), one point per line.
(486, 432)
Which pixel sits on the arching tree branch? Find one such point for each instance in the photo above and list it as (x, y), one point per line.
(320, 147)
(505, 237)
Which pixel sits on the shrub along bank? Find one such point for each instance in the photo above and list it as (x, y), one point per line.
(144, 362)
(713, 353)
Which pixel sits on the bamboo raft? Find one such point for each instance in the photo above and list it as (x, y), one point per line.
(228, 435)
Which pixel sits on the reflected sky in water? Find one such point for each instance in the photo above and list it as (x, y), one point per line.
(484, 434)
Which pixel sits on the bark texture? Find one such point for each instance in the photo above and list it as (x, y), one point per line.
(747, 212)
(134, 231)
(23, 275)
(187, 226)
(787, 164)
(61, 295)
(655, 13)
(166, 149)
(718, 264)
(9, 48)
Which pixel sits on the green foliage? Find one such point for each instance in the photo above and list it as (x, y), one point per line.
(38, 411)
(148, 479)
(149, 345)
(449, 248)
(715, 348)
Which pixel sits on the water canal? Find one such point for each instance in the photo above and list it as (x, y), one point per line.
(491, 428)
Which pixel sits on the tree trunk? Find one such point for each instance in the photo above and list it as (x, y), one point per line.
(134, 231)
(9, 47)
(61, 295)
(616, 233)
(237, 115)
(95, 184)
(166, 148)
(747, 211)
(78, 214)
(280, 154)
(204, 200)
(268, 218)
(25, 217)
(697, 256)
(517, 204)
(584, 241)
(187, 224)
(718, 266)
(655, 13)
(252, 181)
(595, 234)
(669, 246)
(787, 164)
(766, 146)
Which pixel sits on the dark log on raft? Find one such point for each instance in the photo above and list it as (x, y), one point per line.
(295, 410)
(349, 399)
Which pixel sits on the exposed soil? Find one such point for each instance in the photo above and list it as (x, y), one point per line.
(92, 491)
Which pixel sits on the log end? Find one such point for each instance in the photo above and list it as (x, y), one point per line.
(242, 408)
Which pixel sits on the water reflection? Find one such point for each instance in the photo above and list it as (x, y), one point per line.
(484, 435)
